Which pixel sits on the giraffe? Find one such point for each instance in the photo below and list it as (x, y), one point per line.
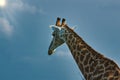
(92, 64)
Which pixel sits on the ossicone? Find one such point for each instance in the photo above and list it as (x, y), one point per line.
(63, 22)
(58, 21)
(59, 24)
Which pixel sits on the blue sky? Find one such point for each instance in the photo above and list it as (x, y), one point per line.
(25, 36)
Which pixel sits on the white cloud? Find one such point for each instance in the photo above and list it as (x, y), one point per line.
(12, 9)
(19, 5)
(6, 27)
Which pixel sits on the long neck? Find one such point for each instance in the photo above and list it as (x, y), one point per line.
(81, 52)
(90, 62)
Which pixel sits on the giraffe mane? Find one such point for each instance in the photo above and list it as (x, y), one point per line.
(78, 37)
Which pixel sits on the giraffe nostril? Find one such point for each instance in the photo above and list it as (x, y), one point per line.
(50, 52)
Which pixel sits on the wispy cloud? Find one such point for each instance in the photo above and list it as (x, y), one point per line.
(19, 5)
(12, 9)
(6, 27)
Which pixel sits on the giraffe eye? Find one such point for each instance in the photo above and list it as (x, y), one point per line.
(53, 34)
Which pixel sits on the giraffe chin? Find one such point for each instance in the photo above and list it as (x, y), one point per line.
(50, 52)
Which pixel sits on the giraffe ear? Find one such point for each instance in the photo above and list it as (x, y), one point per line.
(63, 22)
(58, 22)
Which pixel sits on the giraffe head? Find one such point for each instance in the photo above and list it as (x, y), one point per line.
(58, 35)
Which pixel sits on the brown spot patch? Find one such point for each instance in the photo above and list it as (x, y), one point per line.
(116, 73)
(87, 59)
(82, 57)
(87, 69)
(70, 36)
(74, 46)
(106, 74)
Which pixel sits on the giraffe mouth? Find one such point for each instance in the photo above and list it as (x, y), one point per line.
(50, 52)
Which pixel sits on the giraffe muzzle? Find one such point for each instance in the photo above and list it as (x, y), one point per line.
(50, 52)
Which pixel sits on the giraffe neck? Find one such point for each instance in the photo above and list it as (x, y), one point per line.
(80, 51)
(88, 60)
